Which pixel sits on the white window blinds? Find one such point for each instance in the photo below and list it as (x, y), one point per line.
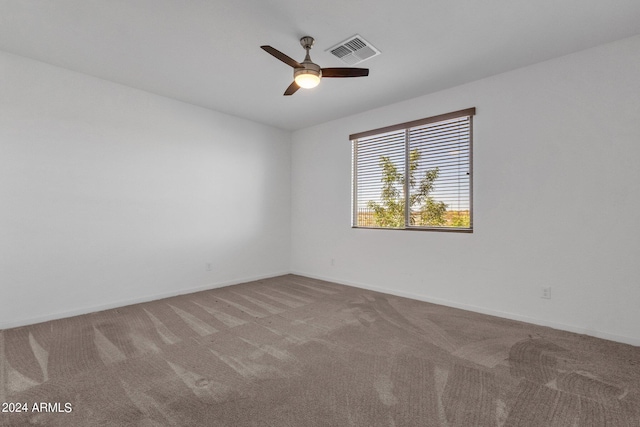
(415, 175)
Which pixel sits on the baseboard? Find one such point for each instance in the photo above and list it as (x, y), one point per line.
(482, 310)
(124, 303)
(439, 301)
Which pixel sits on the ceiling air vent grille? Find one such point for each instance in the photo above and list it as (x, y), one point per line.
(354, 50)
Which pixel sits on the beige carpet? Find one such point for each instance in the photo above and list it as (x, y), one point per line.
(294, 351)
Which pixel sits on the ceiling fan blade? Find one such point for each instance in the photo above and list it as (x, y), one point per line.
(345, 72)
(281, 56)
(293, 87)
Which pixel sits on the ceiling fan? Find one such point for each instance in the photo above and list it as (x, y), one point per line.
(307, 74)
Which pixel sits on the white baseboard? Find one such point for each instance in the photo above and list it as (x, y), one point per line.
(506, 315)
(124, 303)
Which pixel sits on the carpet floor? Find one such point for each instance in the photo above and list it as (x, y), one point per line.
(294, 351)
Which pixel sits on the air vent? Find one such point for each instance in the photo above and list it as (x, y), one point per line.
(354, 50)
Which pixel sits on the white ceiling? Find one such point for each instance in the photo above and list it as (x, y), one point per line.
(206, 52)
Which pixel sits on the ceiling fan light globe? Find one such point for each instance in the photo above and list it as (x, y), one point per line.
(307, 80)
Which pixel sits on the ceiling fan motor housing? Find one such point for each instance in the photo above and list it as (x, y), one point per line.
(307, 68)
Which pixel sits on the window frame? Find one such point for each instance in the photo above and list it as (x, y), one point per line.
(406, 127)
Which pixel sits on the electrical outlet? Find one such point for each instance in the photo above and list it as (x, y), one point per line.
(546, 292)
(209, 266)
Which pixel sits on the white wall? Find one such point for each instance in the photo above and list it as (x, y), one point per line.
(110, 195)
(556, 197)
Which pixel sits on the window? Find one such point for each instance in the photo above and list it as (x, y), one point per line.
(415, 175)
